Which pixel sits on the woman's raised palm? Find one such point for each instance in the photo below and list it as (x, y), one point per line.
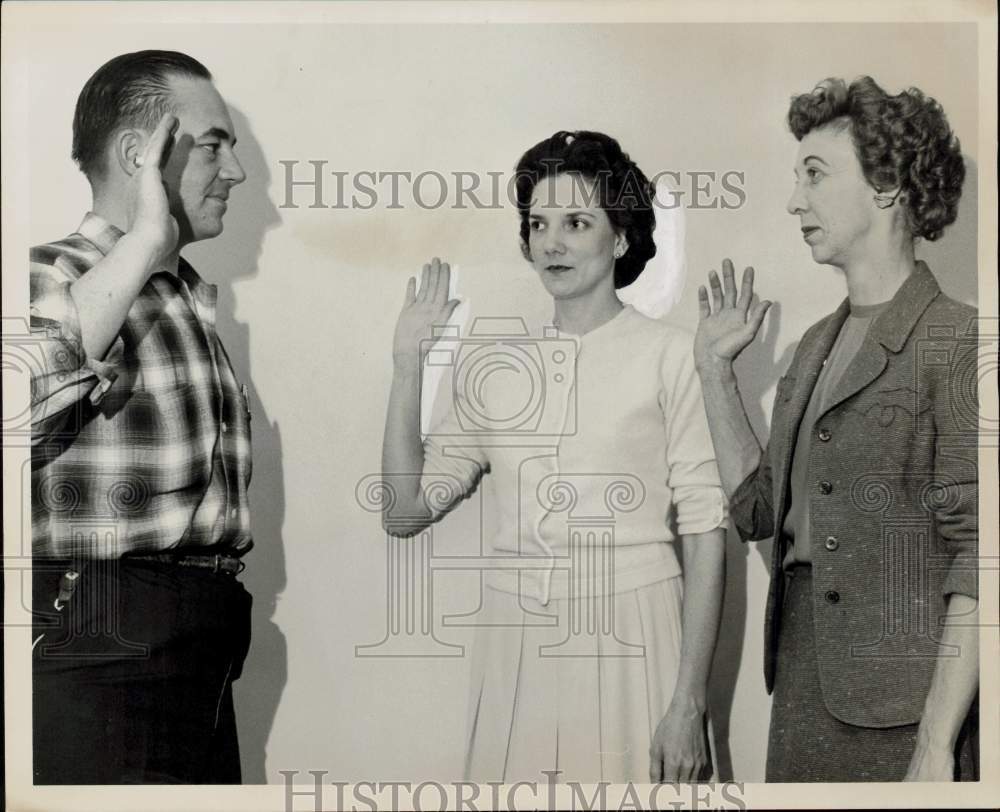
(423, 309)
(730, 322)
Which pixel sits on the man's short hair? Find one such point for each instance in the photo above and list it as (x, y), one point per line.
(129, 91)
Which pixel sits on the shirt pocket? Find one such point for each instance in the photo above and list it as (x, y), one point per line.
(884, 408)
(172, 443)
(888, 422)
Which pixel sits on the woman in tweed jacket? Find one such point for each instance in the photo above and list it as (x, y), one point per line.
(868, 484)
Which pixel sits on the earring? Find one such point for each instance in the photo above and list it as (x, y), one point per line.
(619, 252)
(884, 200)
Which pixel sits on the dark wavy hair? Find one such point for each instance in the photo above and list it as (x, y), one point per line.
(901, 141)
(622, 190)
(130, 90)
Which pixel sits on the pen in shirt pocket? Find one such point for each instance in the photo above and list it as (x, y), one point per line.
(246, 399)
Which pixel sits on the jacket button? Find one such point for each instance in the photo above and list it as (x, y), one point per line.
(825, 435)
(825, 487)
(831, 543)
(833, 596)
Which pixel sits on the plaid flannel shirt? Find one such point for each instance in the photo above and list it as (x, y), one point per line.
(147, 449)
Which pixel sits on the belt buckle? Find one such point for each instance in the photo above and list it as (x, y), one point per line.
(227, 564)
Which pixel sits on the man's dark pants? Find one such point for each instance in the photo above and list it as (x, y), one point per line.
(133, 674)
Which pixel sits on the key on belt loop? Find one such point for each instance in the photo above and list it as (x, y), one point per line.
(67, 586)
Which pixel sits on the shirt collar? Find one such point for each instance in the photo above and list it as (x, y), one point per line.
(104, 235)
(894, 325)
(607, 326)
(100, 232)
(206, 294)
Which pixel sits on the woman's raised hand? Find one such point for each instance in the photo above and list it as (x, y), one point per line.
(728, 324)
(422, 310)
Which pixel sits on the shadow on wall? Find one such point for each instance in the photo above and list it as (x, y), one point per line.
(758, 371)
(954, 258)
(234, 258)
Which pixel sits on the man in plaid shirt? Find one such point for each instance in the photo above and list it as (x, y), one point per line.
(141, 447)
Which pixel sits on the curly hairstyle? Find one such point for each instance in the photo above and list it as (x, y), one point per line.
(901, 141)
(622, 190)
(130, 90)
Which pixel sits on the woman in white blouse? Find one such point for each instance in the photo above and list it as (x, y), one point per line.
(586, 659)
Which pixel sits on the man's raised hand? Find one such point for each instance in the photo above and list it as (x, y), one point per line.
(149, 214)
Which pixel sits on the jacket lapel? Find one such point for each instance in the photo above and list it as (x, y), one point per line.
(888, 333)
(864, 368)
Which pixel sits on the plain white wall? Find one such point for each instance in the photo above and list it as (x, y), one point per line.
(308, 300)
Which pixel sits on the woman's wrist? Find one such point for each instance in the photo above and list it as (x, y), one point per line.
(690, 701)
(715, 368)
(933, 739)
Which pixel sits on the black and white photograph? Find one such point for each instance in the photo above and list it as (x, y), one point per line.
(473, 405)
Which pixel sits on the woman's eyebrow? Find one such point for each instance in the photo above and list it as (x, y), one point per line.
(814, 158)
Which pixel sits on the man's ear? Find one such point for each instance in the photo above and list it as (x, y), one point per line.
(128, 146)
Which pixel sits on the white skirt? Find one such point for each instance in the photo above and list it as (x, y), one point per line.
(577, 686)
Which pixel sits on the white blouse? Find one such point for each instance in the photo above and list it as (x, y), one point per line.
(598, 446)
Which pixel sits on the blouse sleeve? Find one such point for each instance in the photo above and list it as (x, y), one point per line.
(692, 473)
(454, 462)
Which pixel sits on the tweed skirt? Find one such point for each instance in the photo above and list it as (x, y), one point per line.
(808, 744)
(578, 685)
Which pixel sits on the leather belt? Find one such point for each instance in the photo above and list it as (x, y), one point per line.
(219, 563)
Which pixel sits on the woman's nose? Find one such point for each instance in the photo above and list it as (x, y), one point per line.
(797, 202)
(554, 243)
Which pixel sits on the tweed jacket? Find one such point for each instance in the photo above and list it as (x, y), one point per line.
(893, 497)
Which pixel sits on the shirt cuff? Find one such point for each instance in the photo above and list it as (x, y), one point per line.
(700, 509)
(56, 316)
(446, 479)
(750, 510)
